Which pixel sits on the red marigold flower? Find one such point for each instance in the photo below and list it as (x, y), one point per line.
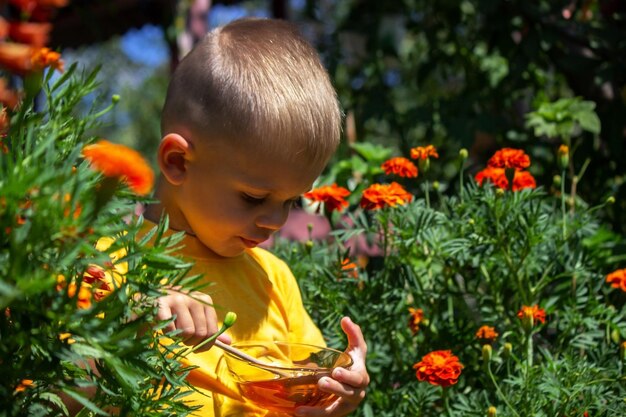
(331, 195)
(115, 160)
(617, 279)
(486, 333)
(93, 273)
(439, 367)
(534, 312)
(497, 176)
(415, 319)
(509, 158)
(400, 166)
(378, 196)
(424, 152)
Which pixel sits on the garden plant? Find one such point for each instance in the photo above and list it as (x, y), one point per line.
(493, 285)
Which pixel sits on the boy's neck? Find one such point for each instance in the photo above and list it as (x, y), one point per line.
(164, 205)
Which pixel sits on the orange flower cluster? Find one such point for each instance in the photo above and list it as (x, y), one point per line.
(332, 196)
(509, 158)
(119, 161)
(22, 42)
(497, 176)
(502, 165)
(424, 152)
(486, 333)
(400, 166)
(24, 383)
(439, 367)
(617, 279)
(378, 196)
(415, 319)
(534, 312)
(349, 268)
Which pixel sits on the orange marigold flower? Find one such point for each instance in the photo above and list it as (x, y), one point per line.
(24, 383)
(617, 279)
(378, 196)
(4, 126)
(33, 33)
(15, 57)
(400, 166)
(44, 57)
(509, 158)
(332, 196)
(497, 176)
(415, 319)
(115, 160)
(83, 298)
(350, 268)
(534, 312)
(486, 333)
(439, 367)
(10, 98)
(424, 152)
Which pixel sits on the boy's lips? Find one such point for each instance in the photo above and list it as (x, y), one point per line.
(252, 243)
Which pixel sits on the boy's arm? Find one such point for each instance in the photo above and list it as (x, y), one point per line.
(347, 384)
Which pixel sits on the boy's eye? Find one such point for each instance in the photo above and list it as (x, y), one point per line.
(252, 200)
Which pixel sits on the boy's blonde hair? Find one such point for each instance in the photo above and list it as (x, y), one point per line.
(257, 82)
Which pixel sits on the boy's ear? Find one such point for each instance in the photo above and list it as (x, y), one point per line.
(174, 152)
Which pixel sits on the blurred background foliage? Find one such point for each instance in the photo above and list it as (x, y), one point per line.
(456, 74)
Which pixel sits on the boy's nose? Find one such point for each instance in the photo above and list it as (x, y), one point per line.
(273, 219)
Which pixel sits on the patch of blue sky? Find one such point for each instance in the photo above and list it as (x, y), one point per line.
(146, 46)
(220, 15)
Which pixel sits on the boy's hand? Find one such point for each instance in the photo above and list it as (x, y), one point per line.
(347, 384)
(195, 316)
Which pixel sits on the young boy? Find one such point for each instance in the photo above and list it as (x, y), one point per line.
(249, 122)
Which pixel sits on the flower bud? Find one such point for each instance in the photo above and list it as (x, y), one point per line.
(463, 154)
(507, 350)
(615, 336)
(563, 156)
(610, 200)
(436, 185)
(308, 245)
(557, 180)
(230, 319)
(424, 164)
(499, 192)
(492, 411)
(487, 352)
(115, 98)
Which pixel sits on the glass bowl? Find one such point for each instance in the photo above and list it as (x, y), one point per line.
(289, 374)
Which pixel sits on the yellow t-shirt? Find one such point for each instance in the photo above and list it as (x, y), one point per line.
(261, 289)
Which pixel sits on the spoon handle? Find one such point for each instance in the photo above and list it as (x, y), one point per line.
(250, 359)
(238, 353)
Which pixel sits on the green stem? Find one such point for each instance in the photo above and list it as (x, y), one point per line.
(529, 350)
(499, 391)
(563, 211)
(427, 193)
(446, 402)
(211, 338)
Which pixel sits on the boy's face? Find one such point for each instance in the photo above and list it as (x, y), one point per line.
(234, 198)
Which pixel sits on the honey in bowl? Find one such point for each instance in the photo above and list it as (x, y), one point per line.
(289, 375)
(285, 394)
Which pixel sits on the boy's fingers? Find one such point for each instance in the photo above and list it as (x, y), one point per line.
(165, 313)
(355, 336)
